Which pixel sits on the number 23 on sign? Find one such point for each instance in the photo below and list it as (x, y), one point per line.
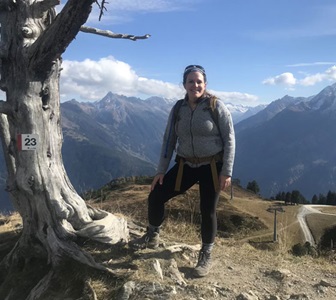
(27, 141)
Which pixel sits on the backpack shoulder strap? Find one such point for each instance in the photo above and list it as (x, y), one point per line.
(177, 107)
(213, 110)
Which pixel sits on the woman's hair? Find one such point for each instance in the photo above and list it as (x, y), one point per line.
(193, 68)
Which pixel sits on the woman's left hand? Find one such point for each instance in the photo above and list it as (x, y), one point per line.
(224, 182)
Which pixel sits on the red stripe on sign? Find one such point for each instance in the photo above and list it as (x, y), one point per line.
(19, 142)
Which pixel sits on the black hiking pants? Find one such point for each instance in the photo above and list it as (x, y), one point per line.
(208, 197)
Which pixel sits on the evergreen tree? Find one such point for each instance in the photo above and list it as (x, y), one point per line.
(298, 198)
(283, 196)
(295, 197)
(322, 199)
(331, 198)
(278, 196)
(253, 186)
(314, 200)
(288, 198)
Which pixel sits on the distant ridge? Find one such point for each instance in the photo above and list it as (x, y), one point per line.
(290, 145)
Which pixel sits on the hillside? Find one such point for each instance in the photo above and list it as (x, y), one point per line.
(247, 264)
(290, 146)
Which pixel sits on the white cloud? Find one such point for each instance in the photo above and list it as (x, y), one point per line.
(331, 73)
(160, 88)
(328, 75)
(311, 80)
(286, 79)
(237, 97)
(91, 80)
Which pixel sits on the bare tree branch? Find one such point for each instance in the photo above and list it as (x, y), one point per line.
(102, 8)
(55, 39)
(113, 35)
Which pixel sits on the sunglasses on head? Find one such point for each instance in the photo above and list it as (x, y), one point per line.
(190, 67)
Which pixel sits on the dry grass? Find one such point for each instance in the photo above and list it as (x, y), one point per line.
(247, 213)
(241, 220)
(246, 216)
(318, 224)
(287, 226)
(327, 209)
(10, 228)
(9, 223)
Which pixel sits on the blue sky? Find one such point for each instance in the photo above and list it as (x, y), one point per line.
(254, 51)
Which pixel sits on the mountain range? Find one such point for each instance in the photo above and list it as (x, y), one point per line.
(288, 144)
(115, 137)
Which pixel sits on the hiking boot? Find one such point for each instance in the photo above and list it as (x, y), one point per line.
(149, 240)
(204, 264)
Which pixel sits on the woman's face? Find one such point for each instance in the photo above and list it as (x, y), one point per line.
(195, 85)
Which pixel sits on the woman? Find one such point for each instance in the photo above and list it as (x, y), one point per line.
(205, 147)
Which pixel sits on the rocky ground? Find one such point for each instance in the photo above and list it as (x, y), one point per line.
(239, 272)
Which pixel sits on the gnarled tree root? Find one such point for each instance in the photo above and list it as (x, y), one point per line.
(29, 273)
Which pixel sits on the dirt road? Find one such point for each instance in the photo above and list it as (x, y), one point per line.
(303, 212)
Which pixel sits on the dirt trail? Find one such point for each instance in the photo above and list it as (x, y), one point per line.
(303, 212)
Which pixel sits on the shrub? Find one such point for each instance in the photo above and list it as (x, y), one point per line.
(304, 249)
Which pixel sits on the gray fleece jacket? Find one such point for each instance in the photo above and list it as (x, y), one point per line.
(196, 135)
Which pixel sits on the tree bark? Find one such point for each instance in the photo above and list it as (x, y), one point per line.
(53, 214)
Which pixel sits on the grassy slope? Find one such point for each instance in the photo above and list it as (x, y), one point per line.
(245, 217)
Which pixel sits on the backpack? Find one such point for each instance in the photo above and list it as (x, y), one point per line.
(212, 106)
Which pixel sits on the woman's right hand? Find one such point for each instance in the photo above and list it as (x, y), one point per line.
(157, 179)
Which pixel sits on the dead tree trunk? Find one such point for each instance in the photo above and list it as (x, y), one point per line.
(32, 41)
